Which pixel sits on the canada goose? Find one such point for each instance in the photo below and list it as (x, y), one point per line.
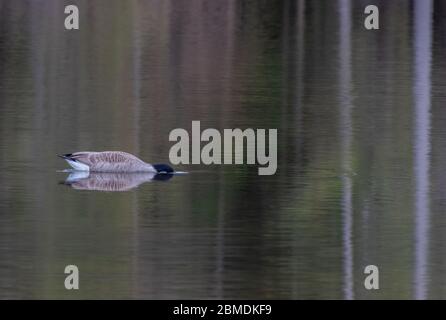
(112, 161)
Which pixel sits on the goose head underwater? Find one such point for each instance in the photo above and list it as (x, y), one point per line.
(112, 161)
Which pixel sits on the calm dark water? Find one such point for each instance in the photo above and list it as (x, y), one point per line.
(361, 149)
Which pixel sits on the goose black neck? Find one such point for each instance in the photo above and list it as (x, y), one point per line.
(163, 168)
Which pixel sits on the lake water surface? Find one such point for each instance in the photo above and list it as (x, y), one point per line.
(361, 123)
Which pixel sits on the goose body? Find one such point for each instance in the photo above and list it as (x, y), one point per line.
(112, 161)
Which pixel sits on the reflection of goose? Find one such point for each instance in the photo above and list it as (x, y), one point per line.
(112, 161)
(101, 181)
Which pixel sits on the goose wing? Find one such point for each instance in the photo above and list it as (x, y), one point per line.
(108, 160)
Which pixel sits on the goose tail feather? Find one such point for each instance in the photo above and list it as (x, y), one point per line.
(65, 156)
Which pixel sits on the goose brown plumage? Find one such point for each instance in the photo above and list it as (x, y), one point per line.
(112, 161)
